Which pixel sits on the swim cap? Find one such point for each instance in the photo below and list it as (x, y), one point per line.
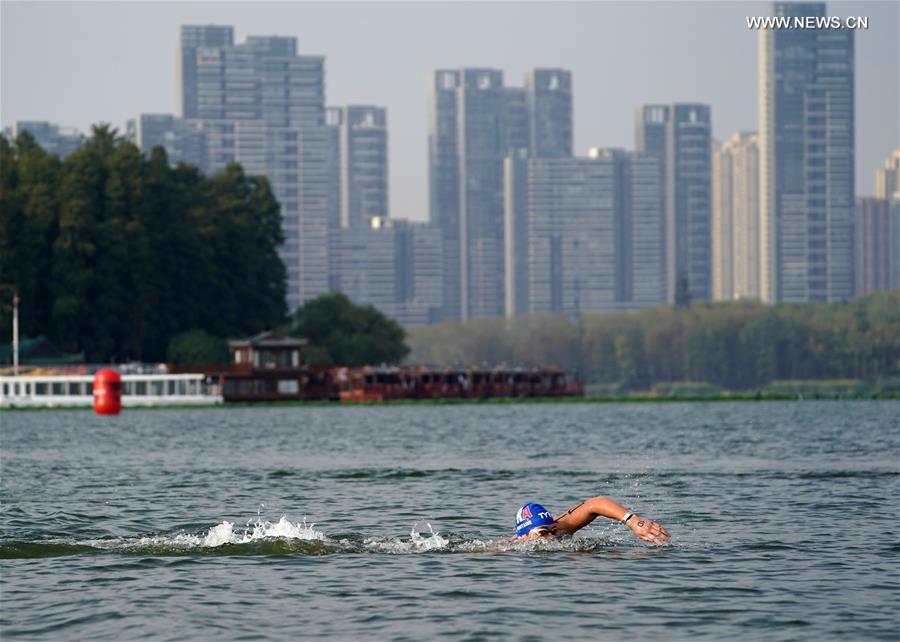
(530, 516)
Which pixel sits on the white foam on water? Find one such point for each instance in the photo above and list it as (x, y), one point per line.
(217, 535)
(416, 544)
(224, 533)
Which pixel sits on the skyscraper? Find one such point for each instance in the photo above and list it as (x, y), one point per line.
(806, 140)
(475, 122)
(584, 234)
(735, 221)
(261, 104)
(363, 165)
(679, 135)
(194, 37)
(333, 118)
(549, 100)
(364, 265)
(646, 231)
(361, 236)
(887, 179)
(877, 231)
(443, 175)
(394, 265)
(484, 130)
(419, 262)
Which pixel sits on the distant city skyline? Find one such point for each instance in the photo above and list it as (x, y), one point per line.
(621, 55)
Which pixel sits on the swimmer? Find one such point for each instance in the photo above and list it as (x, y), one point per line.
(533, 521)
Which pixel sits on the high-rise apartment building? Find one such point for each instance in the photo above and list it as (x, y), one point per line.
(53, 139)
(878, 231)
(476, 122)
(490, 125)
(877, 234)
(364, 265)
(646, 229)
(333, 118)
(806, 156)
(549, 101)
(443, 183)
(194, 37)
(261, 104)
(887, 179)
(735, 218)
(363, 165)
(393, 265)
(679, 135)
(419, 261)
(584, 234)
(183, 140)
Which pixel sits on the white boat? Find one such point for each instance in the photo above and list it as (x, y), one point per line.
(137, 390)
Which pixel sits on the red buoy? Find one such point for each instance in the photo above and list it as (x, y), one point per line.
(107, 392)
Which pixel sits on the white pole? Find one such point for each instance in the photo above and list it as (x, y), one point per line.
(16, 334)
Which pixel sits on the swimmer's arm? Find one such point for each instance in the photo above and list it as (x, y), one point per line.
(580, 516)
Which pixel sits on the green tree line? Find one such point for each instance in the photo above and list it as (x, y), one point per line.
(345, 334)
(738, 346)
(114, 254)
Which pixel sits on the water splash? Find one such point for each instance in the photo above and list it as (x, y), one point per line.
(416, 544)
(261, 530)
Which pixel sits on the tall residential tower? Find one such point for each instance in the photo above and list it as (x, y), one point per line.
(261, 104)
(806, 160)
(735, 222)
(475, 123)
(680, 136)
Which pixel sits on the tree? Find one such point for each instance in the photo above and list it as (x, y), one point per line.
(629, 351)
(347, 334)
(28, 218)
(197, 346)
(113, 254)
(682, 291)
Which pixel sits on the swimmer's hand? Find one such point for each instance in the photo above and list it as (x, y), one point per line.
(648, 530)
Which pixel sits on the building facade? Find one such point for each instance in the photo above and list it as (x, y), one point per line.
(363, 265)
(806, 148)
(584, 234)
(549, 102)
(394, 265)
(877, 234)
(475, 123)
(192, 38)
(735, 218)
(53, 139)
(363, 165)
(887, 179)
(680, 136)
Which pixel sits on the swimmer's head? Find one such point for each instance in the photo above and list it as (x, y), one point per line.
(531, 517)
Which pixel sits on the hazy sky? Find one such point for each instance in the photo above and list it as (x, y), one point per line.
(79, 63)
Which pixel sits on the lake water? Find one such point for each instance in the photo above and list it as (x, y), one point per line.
(384, 523)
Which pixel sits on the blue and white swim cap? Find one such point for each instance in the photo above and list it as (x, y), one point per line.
(530, 516)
